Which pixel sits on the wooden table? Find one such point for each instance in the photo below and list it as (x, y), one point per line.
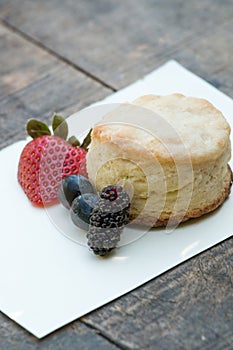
(63, 55)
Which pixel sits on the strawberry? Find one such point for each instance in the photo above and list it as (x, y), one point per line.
(47, 159)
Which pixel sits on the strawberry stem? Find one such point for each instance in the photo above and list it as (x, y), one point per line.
(60, 126)
(86, 142)
(73, 141)
(36, 128)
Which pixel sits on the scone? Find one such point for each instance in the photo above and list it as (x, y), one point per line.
(172, 152)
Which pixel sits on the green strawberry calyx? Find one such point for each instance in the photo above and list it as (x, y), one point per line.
(35, 128)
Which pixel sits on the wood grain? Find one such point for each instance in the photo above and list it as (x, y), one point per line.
(29, 76)
(80, 336)
(211, 57)
(189, 307)
(61, 56)
(118, 42)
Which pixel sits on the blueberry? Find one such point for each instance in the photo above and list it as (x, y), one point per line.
(73, 186)
(81, 209)
(61, 196)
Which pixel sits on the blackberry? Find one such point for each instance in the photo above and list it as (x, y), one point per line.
(107, 220)
(116, 198)
(101, 252)
(111, 192)
(102, 241)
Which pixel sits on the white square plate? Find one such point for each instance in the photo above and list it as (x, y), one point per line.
(48, 280)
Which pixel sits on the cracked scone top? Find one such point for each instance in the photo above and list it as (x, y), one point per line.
(173, 153)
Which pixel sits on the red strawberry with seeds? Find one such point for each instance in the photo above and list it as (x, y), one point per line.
(47, 159)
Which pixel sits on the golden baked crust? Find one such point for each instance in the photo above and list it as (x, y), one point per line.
(200, 127)
(173, 149)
